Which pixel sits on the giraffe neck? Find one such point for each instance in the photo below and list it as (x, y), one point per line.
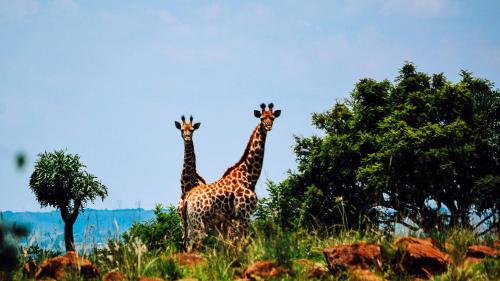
(189, 177)
(250, 165)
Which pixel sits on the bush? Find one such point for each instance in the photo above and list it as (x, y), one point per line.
(161, 232)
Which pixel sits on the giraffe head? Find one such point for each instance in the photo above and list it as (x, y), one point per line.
(187, 128)
(267, 116)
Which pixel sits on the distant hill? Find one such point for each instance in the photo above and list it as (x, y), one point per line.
(93, 227)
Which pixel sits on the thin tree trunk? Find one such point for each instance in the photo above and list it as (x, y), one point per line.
(68, 236)
(69, 220)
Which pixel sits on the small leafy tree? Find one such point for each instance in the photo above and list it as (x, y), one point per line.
(60, 181)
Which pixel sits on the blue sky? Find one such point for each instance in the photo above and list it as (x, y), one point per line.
(107, 79)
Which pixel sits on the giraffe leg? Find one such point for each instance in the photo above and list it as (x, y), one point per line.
(239, 231)
(181, 210)
(196, 233)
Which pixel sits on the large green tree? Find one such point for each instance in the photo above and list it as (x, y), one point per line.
(422, 151)
(60, 180)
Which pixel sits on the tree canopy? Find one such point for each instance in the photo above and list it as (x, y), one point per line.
(421, 151)
(59, 180)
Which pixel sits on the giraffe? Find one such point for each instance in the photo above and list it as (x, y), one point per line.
(189, 176)
(230, 201)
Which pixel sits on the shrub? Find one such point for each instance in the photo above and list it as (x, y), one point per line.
(161, 232)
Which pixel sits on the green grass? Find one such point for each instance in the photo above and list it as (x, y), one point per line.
(268, 242)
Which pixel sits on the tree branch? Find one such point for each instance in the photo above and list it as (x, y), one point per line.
(484, 220)
(489, 229)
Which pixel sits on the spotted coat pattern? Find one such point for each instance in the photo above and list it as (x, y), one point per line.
(228, 203)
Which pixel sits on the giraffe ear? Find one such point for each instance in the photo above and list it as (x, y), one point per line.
(177, 125)
(256, 113)
(277, 113)
(196, 126)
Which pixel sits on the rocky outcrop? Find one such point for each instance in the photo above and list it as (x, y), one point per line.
(357, 255)
(476, 253)
(59, 267)
(421, 257)
(263, 270)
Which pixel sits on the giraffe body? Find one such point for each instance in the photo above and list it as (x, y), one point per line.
(227, 204)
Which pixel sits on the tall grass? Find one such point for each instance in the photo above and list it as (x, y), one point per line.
(266, 241)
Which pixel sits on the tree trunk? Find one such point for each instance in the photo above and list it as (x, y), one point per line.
(68, 236)
(69, 220)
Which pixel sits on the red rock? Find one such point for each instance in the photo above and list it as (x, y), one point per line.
(421, 258)
(480, 252)
(359, 255)
(263, 269)
(359, 274)
(404, 241)
(114, 276)
(58, 267)
(189, 259)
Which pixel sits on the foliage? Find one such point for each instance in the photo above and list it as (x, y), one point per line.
(9, 254)
(422, 151)
(60, 181)
(162, 231)
(37, 253)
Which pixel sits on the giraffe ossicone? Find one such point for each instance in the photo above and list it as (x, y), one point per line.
(227, 204)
